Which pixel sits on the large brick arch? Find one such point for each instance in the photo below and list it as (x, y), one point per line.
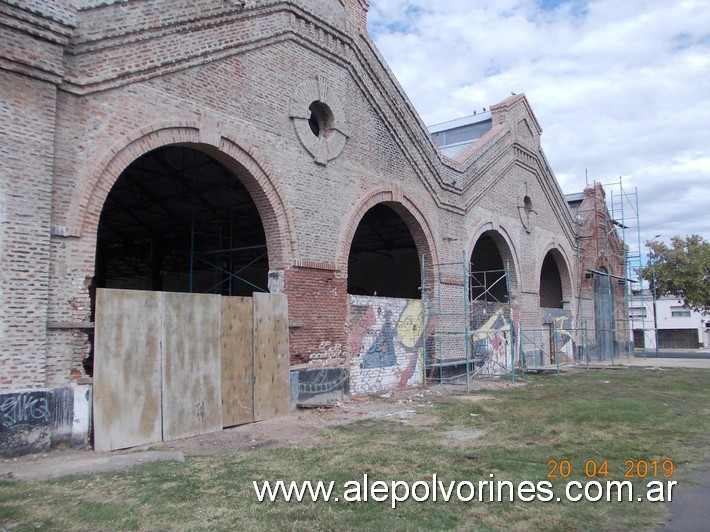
(87, 201)
(563, 262)
(410, 213)
(507, 250)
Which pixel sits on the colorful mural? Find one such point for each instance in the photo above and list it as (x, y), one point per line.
(563, 342)
(490, 347)
(386, 343)
(550, 344)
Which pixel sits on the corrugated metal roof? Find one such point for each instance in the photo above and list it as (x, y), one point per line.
(459, 122)
(576, 196)
(455, 150)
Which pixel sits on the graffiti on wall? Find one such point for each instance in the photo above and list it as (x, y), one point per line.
(381, 353)
(24, 410)
(387, 338)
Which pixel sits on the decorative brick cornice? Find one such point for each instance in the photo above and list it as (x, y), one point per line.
(32, 38)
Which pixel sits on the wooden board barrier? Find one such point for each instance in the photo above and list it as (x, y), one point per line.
(173, 365)
(127, 369)
(271, 359)
(237, 361)
(192, 386)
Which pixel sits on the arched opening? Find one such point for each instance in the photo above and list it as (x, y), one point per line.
(488, 281)
(551, 294)
(178, 220)
(383, 258)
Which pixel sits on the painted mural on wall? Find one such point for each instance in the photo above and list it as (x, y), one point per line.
(387, 338)
(554, 342)
(491, 343)
(564, 340)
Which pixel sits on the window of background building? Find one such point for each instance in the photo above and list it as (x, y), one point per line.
(680, 312)
(637, 312)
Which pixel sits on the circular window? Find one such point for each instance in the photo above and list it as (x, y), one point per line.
(527, 205)
(321, 119)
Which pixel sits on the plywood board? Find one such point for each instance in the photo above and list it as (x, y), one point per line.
(271, 358)
(192, 386)
(237, 361)
(127, 361)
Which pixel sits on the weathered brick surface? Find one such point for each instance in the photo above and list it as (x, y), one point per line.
(25, 189)
(317, 307)
(109, 81)
(601, 249)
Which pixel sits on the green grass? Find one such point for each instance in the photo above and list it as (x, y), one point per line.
(612, 415)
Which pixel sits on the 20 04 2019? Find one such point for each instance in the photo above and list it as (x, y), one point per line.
(633, 468)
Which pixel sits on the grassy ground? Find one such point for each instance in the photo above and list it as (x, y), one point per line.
(600, 415)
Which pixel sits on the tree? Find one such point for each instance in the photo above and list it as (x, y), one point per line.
(682, 270)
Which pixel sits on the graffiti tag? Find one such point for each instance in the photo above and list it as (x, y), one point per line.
(24, 409)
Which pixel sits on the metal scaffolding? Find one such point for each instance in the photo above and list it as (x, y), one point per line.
(474, 337)
(624, 207)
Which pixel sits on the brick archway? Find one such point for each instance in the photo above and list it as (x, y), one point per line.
(87, 202)
(508, 253)
(410, 213)
(560, 260)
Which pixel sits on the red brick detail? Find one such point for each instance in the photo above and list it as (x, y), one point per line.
(317, 307)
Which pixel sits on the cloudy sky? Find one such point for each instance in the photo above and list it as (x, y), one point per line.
(621, 88)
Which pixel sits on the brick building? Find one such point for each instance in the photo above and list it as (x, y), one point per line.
(231, 147)
(604, 281)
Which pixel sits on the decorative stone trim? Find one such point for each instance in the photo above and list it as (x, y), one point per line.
(319, 119)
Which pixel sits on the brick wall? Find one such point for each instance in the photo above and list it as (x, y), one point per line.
(317, 309)
(231, 82)
(26, 151)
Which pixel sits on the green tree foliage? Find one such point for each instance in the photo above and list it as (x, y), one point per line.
(682, 270)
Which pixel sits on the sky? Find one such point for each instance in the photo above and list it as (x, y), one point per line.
(621, 89)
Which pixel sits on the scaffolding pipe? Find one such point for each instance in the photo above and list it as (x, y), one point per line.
(554, 344)
(510, 320)
(466, 322)
(425, 324)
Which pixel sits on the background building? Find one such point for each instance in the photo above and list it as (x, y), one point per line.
(678, 327)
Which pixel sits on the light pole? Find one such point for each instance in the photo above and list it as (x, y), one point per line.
(653, 281)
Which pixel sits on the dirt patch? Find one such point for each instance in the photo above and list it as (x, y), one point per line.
(411, 406)
(473, 398)
(461, 436)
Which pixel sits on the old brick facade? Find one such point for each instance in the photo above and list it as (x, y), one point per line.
(87, 87)
(603, 296)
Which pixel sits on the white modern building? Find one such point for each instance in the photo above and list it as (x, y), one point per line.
(677, 327)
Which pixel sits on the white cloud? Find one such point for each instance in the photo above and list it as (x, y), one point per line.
(620, 88)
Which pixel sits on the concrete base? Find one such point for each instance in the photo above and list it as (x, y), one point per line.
(32, 421)
(319, 386)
